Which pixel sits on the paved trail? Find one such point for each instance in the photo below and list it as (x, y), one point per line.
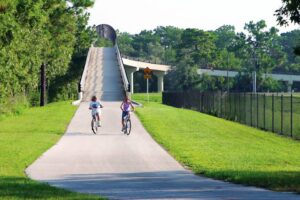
(118, 166)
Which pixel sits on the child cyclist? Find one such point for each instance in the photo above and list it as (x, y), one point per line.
(126, 106)
(95, 106)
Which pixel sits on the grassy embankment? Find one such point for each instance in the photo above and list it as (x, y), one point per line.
(223, 149)
(23, 138)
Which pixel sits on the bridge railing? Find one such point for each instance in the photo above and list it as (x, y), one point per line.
(81, 85)
(122, 69)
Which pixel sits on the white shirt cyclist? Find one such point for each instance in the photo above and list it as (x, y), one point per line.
(95, 107)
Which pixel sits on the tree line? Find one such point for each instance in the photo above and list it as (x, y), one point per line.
(257, 48)
(36, 32)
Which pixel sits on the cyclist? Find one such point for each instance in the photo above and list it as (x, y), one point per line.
(125, 107)
(95, 106)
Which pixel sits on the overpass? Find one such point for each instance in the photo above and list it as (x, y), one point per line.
(290, 79)
(158, 70)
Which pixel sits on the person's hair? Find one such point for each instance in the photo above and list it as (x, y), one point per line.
(94, 98)
(126, 98)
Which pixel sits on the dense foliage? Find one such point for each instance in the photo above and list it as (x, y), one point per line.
(33, 32)
(289, 12)
(256, 49)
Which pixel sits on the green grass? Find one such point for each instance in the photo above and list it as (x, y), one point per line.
(223, 149)
(142, 97)
(23, 139)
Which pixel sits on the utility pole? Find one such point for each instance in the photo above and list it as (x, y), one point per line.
(227, 72)
(43, 85)
(254, 81)
(256, 66)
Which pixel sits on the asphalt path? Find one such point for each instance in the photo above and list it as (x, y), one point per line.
(118, 166)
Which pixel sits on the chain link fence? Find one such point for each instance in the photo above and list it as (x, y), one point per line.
(278, 113)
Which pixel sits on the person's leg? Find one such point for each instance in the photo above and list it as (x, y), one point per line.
(98, 119)
(122, 121)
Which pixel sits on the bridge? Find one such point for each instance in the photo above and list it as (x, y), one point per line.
(115, 165)
(290, 79)
(159, 71)
(106, 73)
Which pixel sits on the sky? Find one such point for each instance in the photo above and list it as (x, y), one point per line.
(134, 16)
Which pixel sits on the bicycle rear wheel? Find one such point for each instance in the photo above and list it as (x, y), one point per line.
(128, 126)
(94, 125)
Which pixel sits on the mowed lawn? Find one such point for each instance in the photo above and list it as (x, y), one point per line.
(23, 139)
(224, 150)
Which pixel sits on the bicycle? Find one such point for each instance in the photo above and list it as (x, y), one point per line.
(94, 123)
(127, 125)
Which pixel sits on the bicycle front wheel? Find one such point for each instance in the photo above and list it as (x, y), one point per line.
(94, 125)
(128, 126)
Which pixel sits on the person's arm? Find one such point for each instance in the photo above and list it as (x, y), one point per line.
(90, 106)
(132, 107)
(122, 106)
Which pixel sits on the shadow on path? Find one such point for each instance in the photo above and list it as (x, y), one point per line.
(163, 185)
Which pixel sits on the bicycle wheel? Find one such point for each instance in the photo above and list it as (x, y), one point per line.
(128, 126)
(94, 125)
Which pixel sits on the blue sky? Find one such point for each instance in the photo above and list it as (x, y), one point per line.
(135, 15)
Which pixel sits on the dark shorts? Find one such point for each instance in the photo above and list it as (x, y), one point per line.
(124, 114)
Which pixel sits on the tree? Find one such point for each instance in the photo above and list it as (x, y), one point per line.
(288, 12)
(263, 47)
(198, 45)
(36, 32)
(185, 74)
(125, 43)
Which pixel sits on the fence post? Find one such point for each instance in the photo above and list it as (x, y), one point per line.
(234, 101)
(221, 106)
(213, 100)
(202, 101)
(224, 115)
(239, 108)
(199, 101)
(264, 111)
(257, 109)
(251, 109)
(281, 131)
(230, 106)
(291, 114)
(272, 112)
(184, 100)
(245, 107)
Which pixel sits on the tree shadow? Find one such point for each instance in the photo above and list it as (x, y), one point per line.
(163, 185)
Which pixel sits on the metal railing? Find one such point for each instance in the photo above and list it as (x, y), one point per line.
(84, 74)
(122, 69)
(155, 61)
(81, 84)
(272, 112)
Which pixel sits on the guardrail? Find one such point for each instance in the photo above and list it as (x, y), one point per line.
(81, 84)
(122, 69)
(145, 60)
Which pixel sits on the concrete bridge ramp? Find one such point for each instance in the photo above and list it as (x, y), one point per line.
(103, 76)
